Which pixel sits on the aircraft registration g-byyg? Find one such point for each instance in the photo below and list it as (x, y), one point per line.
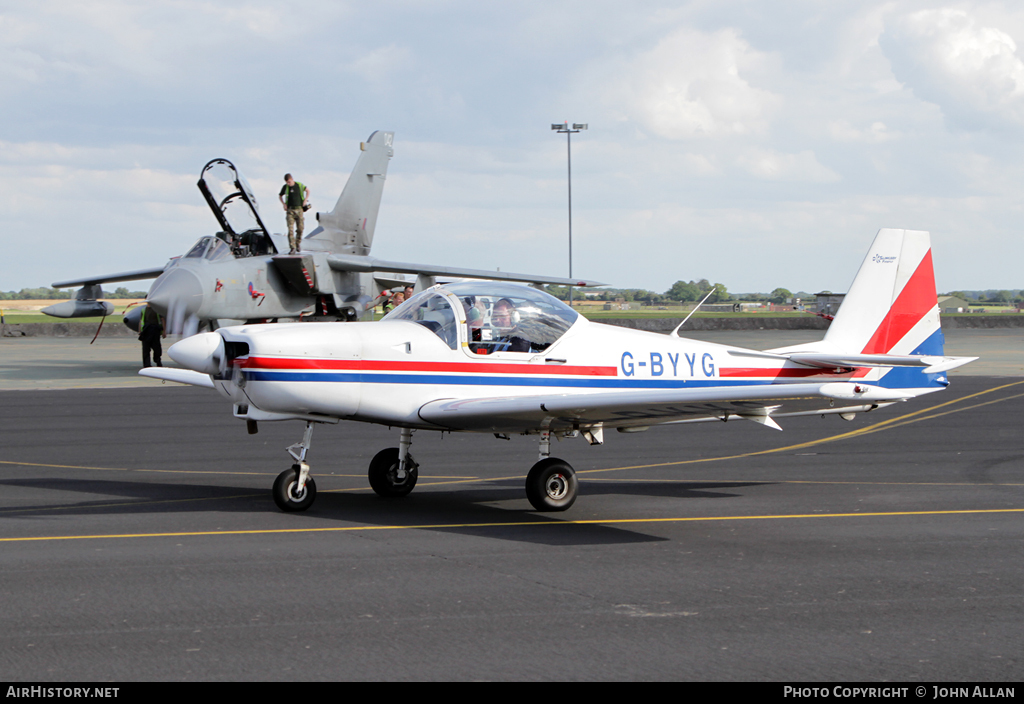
(238, 275)
(498, 358)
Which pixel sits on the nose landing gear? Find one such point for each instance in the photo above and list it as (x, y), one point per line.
(294, 489)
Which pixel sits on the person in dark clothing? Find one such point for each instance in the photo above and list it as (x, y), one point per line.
(505, 320)
(151, 329)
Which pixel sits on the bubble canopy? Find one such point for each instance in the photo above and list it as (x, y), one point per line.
(493, 317)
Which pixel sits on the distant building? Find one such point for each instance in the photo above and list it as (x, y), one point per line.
(827, 302)
(953, 304)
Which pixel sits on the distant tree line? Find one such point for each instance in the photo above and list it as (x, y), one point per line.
(693, 291)
(682, 292)
(991, 295)
(44, 293)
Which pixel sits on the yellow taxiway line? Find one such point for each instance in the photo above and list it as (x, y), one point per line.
(509, 524)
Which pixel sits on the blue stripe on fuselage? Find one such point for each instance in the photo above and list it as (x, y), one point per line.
(592, 383)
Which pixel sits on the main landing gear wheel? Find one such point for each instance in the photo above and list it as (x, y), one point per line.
(387, 478)
(551, 485)
(286, 495)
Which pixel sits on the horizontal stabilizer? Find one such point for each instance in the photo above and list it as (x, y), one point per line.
(179, 376)
(932, 363)
(353, 262)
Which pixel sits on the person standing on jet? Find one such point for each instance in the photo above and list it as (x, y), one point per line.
(294, 197)
(151, 329)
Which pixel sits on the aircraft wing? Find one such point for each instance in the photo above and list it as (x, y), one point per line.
(138, 275)
(355, 262)
(652, 407)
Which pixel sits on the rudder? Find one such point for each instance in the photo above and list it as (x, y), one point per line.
(892, 306)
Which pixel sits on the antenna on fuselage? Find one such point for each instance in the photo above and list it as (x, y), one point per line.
(675, 333)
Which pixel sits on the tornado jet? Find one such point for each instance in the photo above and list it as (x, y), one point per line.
(243, 274)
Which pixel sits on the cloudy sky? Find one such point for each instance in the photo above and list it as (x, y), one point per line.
(756, 144)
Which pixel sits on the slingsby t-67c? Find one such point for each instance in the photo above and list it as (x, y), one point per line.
(494, 357)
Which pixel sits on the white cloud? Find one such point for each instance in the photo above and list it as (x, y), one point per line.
(972, 72)
(381, 63)
(690, 85)
(875, 133)
(777, 166)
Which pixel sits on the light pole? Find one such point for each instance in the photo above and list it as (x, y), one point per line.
(568, 132)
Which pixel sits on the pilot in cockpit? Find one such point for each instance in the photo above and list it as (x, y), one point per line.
(505, 322)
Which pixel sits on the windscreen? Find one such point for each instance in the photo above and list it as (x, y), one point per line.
(508, 318)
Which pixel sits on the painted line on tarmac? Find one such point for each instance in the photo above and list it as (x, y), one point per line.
(877, 427)
(794, 481)
(510, 524)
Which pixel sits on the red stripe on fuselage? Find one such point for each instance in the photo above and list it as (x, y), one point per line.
(914, 302)
(776, 372)
(459, 367)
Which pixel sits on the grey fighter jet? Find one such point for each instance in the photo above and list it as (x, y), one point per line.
(241, 273)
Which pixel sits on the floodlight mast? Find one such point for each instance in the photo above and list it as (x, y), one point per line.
(568, 132)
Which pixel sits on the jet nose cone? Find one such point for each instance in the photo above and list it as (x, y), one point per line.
(177, 291)
(200, 353)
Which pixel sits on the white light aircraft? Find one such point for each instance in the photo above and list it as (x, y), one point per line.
(494, 357)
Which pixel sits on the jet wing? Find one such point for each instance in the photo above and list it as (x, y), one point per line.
(355, 262)
(113, 278)
(391, 281)
(651, 407)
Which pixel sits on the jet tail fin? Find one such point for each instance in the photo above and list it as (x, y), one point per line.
(349, 227)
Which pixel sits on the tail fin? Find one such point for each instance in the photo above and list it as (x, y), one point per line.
(349, 227)
(892, 306)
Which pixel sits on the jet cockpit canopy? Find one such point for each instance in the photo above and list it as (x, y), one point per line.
(233, 204)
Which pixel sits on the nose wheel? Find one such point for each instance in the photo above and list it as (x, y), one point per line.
(294, 489)
(551, 485)
(290, 494)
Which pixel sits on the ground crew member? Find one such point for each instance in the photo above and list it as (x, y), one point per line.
(151, 329)
(294, 198)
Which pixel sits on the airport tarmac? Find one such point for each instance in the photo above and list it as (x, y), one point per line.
(139, 542)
